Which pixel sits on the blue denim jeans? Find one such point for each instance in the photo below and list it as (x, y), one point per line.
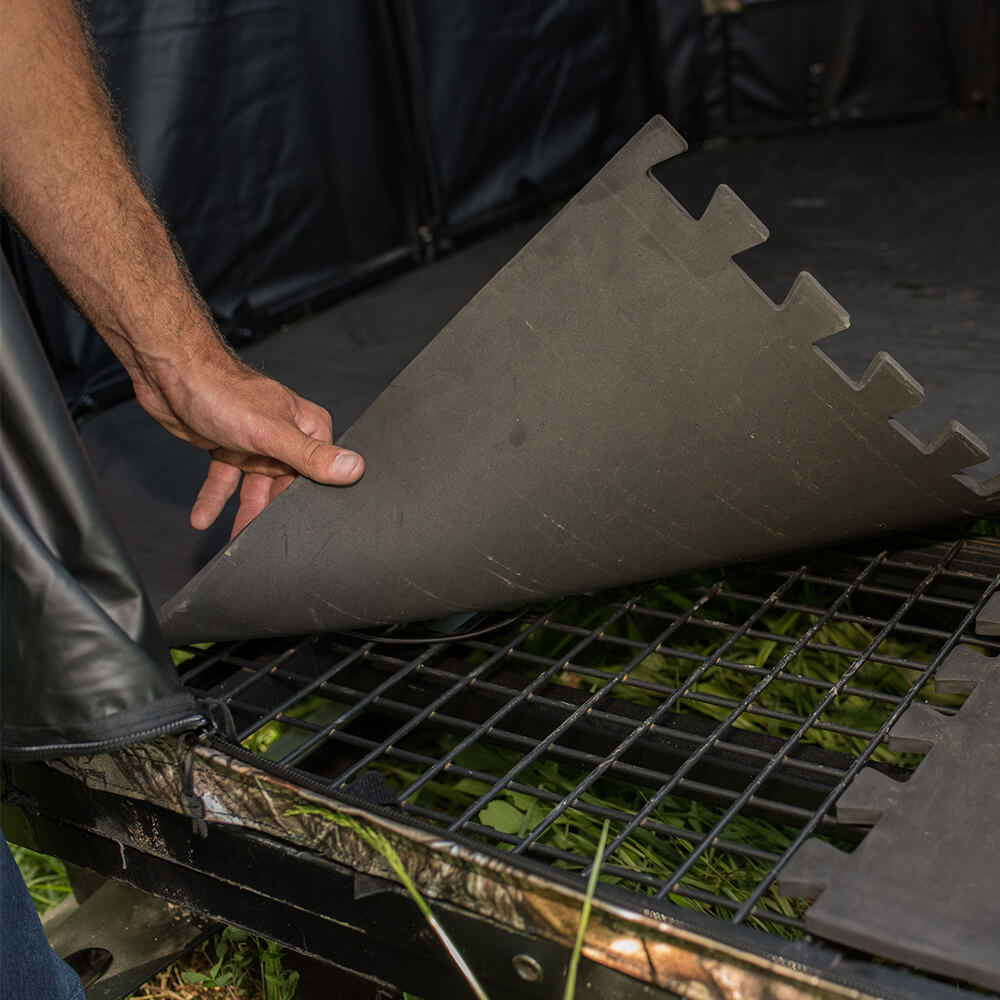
(29, 968)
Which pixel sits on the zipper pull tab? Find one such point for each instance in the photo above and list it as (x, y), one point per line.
(191, 803)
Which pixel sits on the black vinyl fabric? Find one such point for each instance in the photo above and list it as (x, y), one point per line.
(83, 662)
(268, 132)
(782, 64)
(522, 101)
(675, 33)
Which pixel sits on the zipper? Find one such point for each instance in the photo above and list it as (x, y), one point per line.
(51, 751)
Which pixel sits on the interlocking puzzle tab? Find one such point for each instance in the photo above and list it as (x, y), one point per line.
(924, 884)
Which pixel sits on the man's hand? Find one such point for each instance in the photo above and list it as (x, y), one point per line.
(252, 425)
(70, 187)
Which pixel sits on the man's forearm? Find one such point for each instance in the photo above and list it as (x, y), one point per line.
(67, 183)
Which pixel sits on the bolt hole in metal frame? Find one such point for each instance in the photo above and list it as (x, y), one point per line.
(714, 719)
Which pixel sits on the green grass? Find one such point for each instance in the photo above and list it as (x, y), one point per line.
(718, 691)
(646, 852)
(232, 965)
(45, 877)
(990, 527)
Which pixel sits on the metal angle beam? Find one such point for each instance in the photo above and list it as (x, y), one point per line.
(620, 402)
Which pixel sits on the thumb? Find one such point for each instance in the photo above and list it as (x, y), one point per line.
(320, 461)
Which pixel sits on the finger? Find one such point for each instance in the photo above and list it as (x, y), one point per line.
(252, 463)
(279, 484)
(220, 483)
(320, 461)
(255, 494)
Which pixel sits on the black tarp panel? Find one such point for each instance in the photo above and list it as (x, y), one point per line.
(268, 131)
(782, 64)
(523, 99)
(676, 57)
(83, 661)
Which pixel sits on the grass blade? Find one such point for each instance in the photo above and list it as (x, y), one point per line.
(574, 961)
(375, 839)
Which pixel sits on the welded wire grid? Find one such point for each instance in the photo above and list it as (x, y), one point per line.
(713, 719)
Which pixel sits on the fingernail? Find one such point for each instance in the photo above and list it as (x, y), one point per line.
(346, 463)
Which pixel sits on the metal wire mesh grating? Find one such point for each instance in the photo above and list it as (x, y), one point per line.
(712, 720)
